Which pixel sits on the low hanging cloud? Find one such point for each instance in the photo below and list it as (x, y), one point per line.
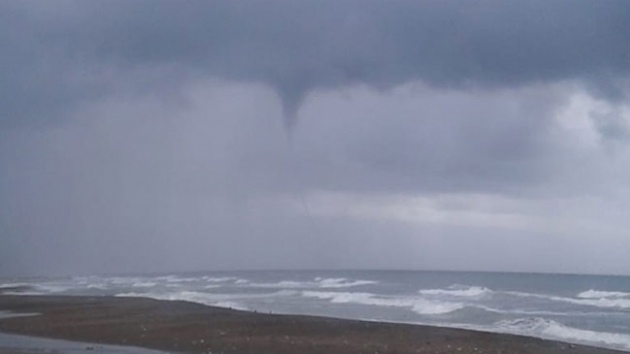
(56, 56)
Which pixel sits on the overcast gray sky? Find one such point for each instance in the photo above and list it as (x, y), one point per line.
(166, 135)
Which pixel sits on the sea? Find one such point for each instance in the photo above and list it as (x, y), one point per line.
(582, 309)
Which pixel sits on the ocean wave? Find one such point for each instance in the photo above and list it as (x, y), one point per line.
(426, 304)
(13, 285)
(181, 280)
(540, 312)
(191, 296)
(204, 298)
(37, 289)
(96, 286)
(323, 283)
(341, 282)
(143, 284)
(598, 294)
(416, 304)
(24, 292)
(50, 288)
(458, 291)
(123, 280)
(541, 327)
(602, 302)
(218, 279)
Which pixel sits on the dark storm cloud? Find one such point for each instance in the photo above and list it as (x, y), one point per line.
(56, 55)
(158, 142)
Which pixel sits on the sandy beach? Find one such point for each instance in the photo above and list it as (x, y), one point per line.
(178, 326)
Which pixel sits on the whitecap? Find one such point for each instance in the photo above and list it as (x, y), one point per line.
(597, 294)
(458, 291)
(545, 328)
(218, 279)
(205, 298)
(143, 284)
(343, 283)
(13, 285)
(96, 286)
(416, 304)
(324, 283)
(51, 288)
(602, 302)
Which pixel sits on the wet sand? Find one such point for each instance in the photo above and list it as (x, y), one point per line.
(178, 326)
(14, 343)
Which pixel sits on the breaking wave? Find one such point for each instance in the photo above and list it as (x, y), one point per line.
(610, 302)
(593, 298)
(541, 327)
(458, 291)
(219, 279)
(143, 284)
(210, 299)
(191, 296)
(13, 285)
(37, 289)
(416, 304)
(598, 294)
(324, 283)
(559, 313)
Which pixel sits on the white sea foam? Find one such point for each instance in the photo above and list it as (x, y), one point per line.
(341, 282)
(97, 286)
(539, 312)
(416, 304)
(458, 291)
(218, 279)
(541, 327)
(28, 292)
(598, 294)
(50, 288)
(324, 283)
(425, 305)
(10, 314)
(205, 298)
(13, 285)
(602, 302)
(143, 284)
(40, 289)
(191, 296)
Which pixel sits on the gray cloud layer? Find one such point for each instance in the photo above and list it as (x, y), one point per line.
(146, 135)
(58, 54)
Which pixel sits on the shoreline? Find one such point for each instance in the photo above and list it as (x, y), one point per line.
(180, 326)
